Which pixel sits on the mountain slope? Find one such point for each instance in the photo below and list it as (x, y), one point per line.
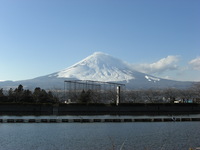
(99, 67)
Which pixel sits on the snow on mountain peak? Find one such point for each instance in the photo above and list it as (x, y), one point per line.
(99, 67)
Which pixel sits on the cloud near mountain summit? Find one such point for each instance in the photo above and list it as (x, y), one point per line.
(162, 65)
(195, 63)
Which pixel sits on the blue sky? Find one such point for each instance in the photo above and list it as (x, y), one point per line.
(160, 37)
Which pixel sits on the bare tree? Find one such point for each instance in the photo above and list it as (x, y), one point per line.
(171, 94)
(152, 96)
(133, 96)
(186, 95)
(196, 91)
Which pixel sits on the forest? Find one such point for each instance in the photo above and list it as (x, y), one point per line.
(21, 95)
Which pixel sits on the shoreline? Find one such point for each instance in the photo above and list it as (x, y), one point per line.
(111, 120)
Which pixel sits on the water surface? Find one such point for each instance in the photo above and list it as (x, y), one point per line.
(100, 136)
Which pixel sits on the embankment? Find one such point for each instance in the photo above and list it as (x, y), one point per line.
(98, 109)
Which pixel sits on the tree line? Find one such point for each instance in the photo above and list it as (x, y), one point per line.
(21, 95)
(168, 95)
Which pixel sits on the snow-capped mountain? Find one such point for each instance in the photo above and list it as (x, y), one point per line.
(99, 67)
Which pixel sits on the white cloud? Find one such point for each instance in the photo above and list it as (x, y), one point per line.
(167, 77)
(164, 64)
(195, 63)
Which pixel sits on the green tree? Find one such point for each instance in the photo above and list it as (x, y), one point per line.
(20, 89)
(18, 92)
(1, 92)
(41, 96)
(85, 97)
(11, 96)
(3, 98)
(27, 96)
(52, 98)
(36, 94)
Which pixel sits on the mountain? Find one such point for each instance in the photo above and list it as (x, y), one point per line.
(99, 67)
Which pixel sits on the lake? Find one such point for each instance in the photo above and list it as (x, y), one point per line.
(100, 136)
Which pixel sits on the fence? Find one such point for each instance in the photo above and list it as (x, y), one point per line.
(93, 91)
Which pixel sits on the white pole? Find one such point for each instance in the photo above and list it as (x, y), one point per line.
(118, 95)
